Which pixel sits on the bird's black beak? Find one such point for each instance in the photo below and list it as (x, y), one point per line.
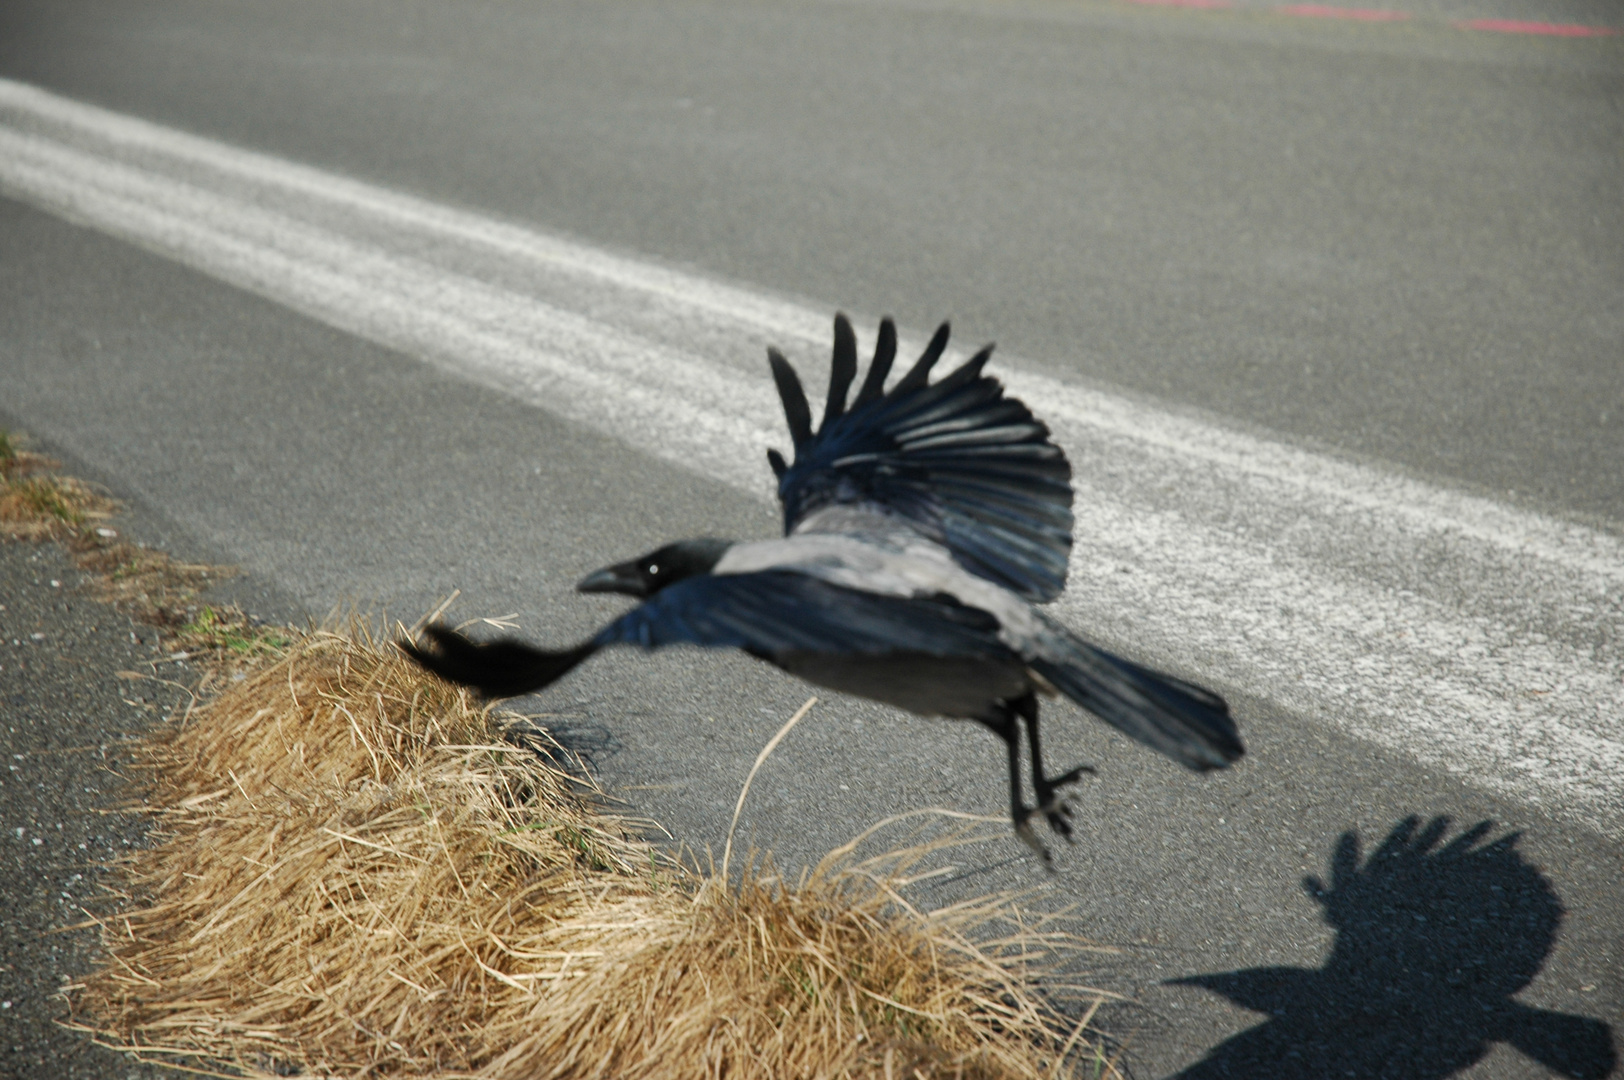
(623, 578)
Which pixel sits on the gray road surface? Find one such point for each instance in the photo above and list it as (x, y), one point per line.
(1398, 244)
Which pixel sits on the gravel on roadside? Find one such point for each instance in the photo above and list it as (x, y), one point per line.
(69, 707)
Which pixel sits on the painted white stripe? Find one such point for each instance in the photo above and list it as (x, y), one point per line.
(1472, 635)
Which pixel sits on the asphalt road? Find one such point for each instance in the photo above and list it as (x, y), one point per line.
(1398, 244)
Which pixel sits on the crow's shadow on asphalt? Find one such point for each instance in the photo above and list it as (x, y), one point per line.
(1431, 944)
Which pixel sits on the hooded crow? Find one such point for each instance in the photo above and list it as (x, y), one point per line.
(921, 526)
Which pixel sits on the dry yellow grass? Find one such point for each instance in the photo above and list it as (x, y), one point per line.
(356, 872)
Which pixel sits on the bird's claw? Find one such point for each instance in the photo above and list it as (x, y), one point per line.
(1058, 814)
(1056, 809)
(1071, 777)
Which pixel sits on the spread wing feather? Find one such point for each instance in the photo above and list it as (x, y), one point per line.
(963, 464)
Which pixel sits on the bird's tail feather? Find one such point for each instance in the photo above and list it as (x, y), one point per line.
(1189, 724)
(497, 669)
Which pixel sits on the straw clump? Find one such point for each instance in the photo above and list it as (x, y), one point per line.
(357, 872)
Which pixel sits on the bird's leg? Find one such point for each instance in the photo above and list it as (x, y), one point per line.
(1054, 808)
(1004, 726)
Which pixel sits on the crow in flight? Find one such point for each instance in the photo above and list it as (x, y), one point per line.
(921, 523)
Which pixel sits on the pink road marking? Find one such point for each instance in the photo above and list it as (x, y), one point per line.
(1329, 11)
(1323, 11)
(1517, 26)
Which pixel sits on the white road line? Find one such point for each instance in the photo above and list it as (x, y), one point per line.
(1471, 635)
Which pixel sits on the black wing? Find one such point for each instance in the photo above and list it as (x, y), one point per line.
(497, 669)
(778, 611)
(965, 465)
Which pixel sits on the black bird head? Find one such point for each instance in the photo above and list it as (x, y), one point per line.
(646, 575)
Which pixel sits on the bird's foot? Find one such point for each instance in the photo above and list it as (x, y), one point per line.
(1057, 812)
(1056, 809)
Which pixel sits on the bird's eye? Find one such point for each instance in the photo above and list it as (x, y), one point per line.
(654, 568)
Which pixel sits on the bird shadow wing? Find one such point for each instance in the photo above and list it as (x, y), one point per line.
(959, 461)
(1273, 990)
(1572, 1046)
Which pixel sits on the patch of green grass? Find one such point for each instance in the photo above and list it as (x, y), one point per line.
(229, 630)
